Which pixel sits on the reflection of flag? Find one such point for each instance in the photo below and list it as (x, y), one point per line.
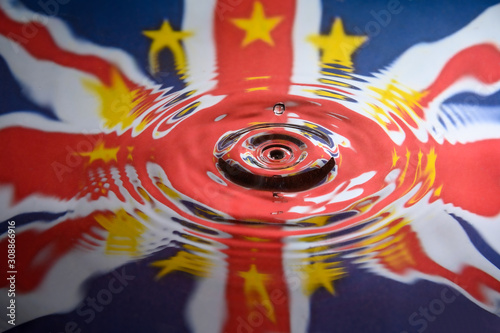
(94, 189)
(463, 64)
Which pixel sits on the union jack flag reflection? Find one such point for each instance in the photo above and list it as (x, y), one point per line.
(250, 166)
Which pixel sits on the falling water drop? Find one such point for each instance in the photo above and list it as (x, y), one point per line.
(279, 108)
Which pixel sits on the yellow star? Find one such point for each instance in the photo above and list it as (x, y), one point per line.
(258, 26)
(337, 47)
(100, 152)
(118, 102)
(253, 279)
(124, 232)
(166, 37)
(256, 291)
(183, 261)
(400, 100)
(322, 274)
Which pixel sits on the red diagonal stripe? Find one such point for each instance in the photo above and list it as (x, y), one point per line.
(41, 45)
(479, 61)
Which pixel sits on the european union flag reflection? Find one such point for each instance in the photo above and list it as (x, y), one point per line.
(250, 166)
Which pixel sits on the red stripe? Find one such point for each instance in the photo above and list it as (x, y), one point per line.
(471, 279)
(264, 70)
(479, 61)
(247, 311)
(38, 251)
(37, 41)
(55, 165)
(470, 174)
(237, 63)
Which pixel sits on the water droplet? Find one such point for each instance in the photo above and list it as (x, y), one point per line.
(279, 108)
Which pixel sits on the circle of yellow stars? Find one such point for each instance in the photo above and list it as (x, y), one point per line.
(336, 47)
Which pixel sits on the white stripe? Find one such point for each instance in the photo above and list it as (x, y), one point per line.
(455, 250)
(207, 309)
(299, 310)
(60, 89)
(299, 302)
(488, 228)
(200, 50)
(52, 86)
(43, 203)
(67, 41)
(478, 129)
(36, 121)
(420, 65)
(305, 55)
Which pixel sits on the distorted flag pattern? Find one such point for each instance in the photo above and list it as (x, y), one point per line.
(110, 130)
